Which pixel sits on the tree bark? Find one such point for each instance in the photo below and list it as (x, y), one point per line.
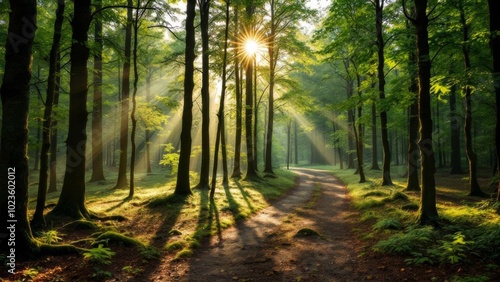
(72, 199)
(386, 156)
(239, 107)
(412, 183)
(38, 220)
(475, 190)
(375, 165)
(427, 212)
(97, 148)
(494, 9)
(456, 159)
(205, 96)
(53, 132)
(272, 72)
(121, 181)
(182, 186)
(14, 93)
(220, 126)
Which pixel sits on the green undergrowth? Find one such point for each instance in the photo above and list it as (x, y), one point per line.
(469, 230)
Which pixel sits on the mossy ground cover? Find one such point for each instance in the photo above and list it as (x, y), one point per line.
(466, 243)
(159, 225)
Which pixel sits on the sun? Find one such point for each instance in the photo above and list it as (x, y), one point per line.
(251, 47)
(250, 44)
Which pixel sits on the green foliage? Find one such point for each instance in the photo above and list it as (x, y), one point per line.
(30, 273)
(100, 274)
(49, 237)
(115, 237)
(408, 242)
(487, 241)
(99, 255)
(185, 253)
(454, 249)
(173, 246)
(375, 193)
(388, 223)
(132, 270)
(410, 207)
(149, 253)
(399, 196)
(170, 158)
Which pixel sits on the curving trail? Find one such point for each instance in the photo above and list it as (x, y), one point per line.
(263, 248)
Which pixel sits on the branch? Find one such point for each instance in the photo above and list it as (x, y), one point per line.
(412, 20)
(118, 6)
(169, 30)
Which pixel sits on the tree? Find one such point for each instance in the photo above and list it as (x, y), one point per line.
(14, 93)
(122, 182)
(249, 62)
(427, 212)
(220, 126)
(475, 190)
(182, 186)
(97, 158)
(38, 217)
(386, 158)
(239, 104)
(205, 94)
(72, 199)
(494, 9)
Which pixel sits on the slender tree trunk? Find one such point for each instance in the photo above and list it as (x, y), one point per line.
(239, 107)
(53, 132)
(72, 199)
(428, 211)
(494, 9)
(386, 157)
(475, 190)
(122, 182)
(272, 70)
(14, 93)
(220, 126)
(133, 119)
(288, 141)
(38, 220)
(296, 142)
(412, 183)
(36, 162)
(97, 158)
(251, 172)
(183, 184)
(205, 96)
(456, 159)
(374, 139)
(147, 132)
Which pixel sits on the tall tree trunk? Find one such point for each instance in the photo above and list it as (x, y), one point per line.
(220, 126)
(428, 211)
(183, 187)
(386, 156)
(38, 220)
(296, 142)
(272, 72)
(358, 134)
(374, 139)
(147, 132)
(97, 148)
(456, 159)
(14, 93)
(53, 132)
(122, 182)
(205, 96)
(251, 172)
(412, 183)
(256, 103)
(72, 199)
(475, 190)
(288, 141)
(133, 119)
(494, 9)
(239, 107)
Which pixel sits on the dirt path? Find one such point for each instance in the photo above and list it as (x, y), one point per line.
(264, 247)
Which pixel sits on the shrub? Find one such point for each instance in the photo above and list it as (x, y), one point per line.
(49, 237)
(388, 223)
(99, 255)
(412, 241)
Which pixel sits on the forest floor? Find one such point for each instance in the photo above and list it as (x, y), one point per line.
(308, 235)
(312, 232)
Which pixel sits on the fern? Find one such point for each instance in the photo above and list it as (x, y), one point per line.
(99, 255)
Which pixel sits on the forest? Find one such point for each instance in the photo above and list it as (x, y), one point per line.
(250, 140)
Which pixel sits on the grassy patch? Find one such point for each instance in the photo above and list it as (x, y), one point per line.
(469, 231)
